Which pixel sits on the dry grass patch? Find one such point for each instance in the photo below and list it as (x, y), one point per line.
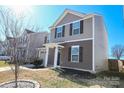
(46, 78)
(54, 79)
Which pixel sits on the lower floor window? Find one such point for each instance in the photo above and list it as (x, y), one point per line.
(75, 53)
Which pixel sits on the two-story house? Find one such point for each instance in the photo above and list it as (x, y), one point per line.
(78, 41)
(35, 45)
(28, 45)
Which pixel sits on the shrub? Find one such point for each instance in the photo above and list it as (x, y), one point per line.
(37, 63)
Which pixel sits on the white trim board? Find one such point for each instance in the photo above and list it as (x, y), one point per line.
(75, 40)
(93, 45)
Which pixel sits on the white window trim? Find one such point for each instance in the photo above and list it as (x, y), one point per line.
(59, 32)
(73, 29)
(75, 46)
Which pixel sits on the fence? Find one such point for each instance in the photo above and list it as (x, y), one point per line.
(113, 65)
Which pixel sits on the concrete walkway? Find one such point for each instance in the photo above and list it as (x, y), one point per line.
(22, 67)
(26, 68)
(4, 69)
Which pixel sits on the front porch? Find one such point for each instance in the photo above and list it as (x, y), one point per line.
(55, 55)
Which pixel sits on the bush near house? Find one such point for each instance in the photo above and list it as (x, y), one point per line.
(38, 62)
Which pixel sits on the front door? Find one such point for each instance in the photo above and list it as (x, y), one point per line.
(58, 59)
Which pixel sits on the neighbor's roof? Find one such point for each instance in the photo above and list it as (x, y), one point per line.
(28, 31)
(8, 37)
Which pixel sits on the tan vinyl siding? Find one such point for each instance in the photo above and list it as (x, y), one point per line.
(87, 32)
(101, 45)
(36, 40)
(69, 18)
(87, 55)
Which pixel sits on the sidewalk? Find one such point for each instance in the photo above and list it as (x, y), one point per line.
(21, 67)
(27, 68)
(5, 69)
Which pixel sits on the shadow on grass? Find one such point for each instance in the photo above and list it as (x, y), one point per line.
(39, 67)
(111, 74)
(79, 76)
(74, 75)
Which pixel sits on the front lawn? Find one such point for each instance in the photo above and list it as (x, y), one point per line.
(46, 78)
(3, 64)
(54, 78)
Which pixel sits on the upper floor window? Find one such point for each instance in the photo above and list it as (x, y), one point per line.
(59, 32)
(76, 28)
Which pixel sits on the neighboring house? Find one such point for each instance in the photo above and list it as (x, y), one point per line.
(78, 41)
(35, 48)
(22, 43)
(8, 46)
(29, 45)
(1, 49)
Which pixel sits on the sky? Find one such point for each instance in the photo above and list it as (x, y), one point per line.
(44, 16)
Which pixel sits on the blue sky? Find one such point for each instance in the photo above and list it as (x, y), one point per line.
(45, 16)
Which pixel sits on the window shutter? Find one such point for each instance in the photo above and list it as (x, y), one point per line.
(55, 32)
(45, 39)
(69, 54)
(81, 54)
(71, 29)
(81, 26)
(63, 31)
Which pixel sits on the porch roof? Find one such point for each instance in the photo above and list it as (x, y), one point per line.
(53, 45)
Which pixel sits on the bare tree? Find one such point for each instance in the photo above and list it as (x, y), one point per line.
(11, 26)
(118, 51)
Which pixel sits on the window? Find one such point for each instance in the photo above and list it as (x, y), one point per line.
(76, 28)
(59, 32)
(75, 53)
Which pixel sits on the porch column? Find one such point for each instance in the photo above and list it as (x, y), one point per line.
(46, 57)
(55, 56)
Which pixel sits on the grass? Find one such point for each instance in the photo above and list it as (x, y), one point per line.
(46, 78)
(3, 64)
(111, 74)
(53, 78)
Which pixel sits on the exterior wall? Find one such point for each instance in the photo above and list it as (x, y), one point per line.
(42, 55)
(87, 32)
(69, 18)
(101, 45)
(36, 40)
(87, 55)
(51, 57)
(94, 51)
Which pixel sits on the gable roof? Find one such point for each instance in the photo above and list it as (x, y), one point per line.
(8, 38)
(66, 11)
(28, 31)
